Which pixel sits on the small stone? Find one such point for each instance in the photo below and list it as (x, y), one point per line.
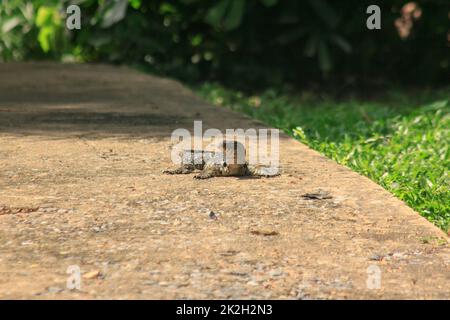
(266, 233)
(376, 257)
(238, 273)
(154, 272)
(399, 255)
(54, 289)
(318, 195)
(92, 274)
(229, 253)
(212, 215)
(276, 273)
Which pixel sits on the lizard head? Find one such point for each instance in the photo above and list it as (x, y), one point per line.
(233, 151)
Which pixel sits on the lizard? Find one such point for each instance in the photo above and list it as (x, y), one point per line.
(228, 160)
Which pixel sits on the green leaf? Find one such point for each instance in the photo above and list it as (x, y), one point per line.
(189, 1)
(115, 13)
(44, 38)
(216, 13)
(325, 63)
(99, 40)
(48, 21)
(269, 3)
(167, 8)
(135, 4)
(311, 46)
(341, 43)
(10, 24)
(325, 12)
(45, 16)
(234, 17)
(226, 14)
(292, 36)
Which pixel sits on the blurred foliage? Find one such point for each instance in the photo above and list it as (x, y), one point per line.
(17, 30)
(246, 42)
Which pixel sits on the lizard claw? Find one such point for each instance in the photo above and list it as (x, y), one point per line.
(202, 177)
(179, 171)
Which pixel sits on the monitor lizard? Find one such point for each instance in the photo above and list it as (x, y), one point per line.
(227, 160)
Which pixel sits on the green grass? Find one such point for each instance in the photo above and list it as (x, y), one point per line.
(400, 141)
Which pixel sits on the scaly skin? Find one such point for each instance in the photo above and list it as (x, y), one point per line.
(220, 163)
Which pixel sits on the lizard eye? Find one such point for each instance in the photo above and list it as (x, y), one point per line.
(224, 164)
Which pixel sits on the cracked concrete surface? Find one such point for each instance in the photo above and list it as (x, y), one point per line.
(82, 149)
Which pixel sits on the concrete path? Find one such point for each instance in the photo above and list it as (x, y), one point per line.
(81, 154)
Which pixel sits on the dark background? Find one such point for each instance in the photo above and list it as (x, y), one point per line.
(247, 44)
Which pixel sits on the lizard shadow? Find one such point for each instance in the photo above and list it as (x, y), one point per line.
(255, 177)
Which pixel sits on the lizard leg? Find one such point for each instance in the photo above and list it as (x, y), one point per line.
(204, 175)
(184, 169)
(261, 171)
